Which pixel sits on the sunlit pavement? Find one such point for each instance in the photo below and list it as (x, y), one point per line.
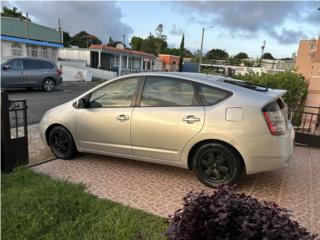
(159, 189)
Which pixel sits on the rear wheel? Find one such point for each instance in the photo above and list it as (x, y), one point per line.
(61, 143)
(217, 164)
(48, 85)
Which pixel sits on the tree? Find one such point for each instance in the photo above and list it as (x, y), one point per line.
(241, 55)
(161, 38)
(66, 39)
(136, 43)
(217, 54)
(181, 53)
(84, 40)
(267, 56)
(7, 12)
(112, 43)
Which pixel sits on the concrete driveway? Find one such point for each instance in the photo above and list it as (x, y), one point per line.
(159, 189)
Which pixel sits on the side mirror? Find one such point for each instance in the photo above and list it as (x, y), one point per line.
(6, 67)
(83, 103)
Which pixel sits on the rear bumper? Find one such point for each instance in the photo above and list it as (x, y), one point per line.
(265, 152)
(58, 80)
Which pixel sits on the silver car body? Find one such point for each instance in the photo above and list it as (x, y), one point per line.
(22, 77)
(161, 134)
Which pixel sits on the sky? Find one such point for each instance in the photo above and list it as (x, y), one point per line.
(232, 26)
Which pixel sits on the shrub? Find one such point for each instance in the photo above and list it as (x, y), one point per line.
(294, 83)
(224, 214)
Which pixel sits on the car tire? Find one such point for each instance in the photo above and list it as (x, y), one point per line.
(61, 143)
(217, 164)
(48, 85)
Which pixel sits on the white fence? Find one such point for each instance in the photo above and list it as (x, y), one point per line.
(76, 71)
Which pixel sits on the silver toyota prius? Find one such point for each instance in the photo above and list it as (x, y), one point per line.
(218, 127)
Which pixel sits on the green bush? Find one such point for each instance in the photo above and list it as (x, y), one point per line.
(294, 83)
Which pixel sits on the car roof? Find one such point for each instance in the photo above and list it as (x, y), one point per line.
(216, 81)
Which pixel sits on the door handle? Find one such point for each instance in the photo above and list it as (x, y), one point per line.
(122, 118)
(191, 119)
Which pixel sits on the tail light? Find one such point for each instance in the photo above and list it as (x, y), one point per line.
(275, 116)
(59, 72)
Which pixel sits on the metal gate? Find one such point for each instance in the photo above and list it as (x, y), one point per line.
(14, 133)
(306, 121)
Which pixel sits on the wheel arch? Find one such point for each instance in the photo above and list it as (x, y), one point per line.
(202, 142)
(53, 126)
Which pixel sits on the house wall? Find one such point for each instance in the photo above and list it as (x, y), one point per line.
(6, 51)
(308, 64)
(74, 54)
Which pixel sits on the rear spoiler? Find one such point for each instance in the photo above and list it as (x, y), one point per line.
(274, 94)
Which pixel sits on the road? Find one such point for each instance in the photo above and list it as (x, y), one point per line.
(39, 102)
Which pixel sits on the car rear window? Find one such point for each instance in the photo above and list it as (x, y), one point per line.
(211, 95)
(46, 65)
(36, 64)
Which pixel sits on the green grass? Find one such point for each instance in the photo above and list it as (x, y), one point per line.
(35, 206)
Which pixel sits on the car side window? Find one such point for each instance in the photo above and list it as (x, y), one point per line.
(119, 93)
(45, 65)
(16, 65)
(211, 95)
(29, 64)
(168, 92)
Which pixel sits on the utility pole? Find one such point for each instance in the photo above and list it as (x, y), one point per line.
(60, 31)
(201, 49)
(262, 48)
(124, 38)
(27, 26)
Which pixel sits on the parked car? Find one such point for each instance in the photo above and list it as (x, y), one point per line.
(219, 127)
(30, 73)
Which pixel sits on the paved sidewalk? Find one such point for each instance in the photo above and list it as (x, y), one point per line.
(159, 189)
(38, 151)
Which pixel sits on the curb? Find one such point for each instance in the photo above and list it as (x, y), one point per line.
(42, 162)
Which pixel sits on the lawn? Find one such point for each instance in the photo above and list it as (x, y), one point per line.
(35, 206)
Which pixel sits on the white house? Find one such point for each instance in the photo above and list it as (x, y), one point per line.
(27, 39)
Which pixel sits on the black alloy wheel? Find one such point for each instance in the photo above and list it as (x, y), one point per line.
(61, 143)
(216, 164)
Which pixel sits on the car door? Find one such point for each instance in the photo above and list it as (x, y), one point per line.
(104, 125)
(169, 115)
(12, 74)
(33, 72)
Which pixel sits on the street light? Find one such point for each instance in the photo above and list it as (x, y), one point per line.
(200, 58)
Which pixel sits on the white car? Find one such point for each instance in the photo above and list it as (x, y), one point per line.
(219, 127)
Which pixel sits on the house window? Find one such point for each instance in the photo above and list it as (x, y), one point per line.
(44, 53)
(33, 52)
(16, 49)
(136, 63)
(116, 60)
(124, 62)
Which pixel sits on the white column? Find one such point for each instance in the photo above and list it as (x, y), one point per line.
(120, 65)
(127, 61)
(99, 60)
(141, 67)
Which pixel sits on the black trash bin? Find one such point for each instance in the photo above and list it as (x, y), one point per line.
(14, 133)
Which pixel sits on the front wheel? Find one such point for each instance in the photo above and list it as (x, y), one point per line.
(61, 143)
(48, 85)
(217, 164)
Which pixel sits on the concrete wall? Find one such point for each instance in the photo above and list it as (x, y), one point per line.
(75, 54)
(77, 72)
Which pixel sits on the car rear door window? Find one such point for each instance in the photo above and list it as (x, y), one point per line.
(167, 92)
(116, 94)
(211, 95)
(16, 65)
(29, 64)
(45, 65)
